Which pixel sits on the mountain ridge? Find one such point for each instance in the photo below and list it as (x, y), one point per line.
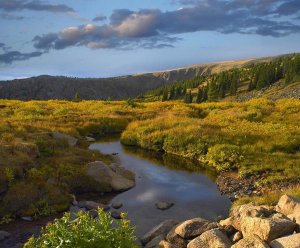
(46, 87)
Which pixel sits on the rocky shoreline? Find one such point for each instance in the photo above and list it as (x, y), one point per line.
(248, 226)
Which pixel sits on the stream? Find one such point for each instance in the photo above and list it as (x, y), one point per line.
(163, 178)
(159, 177)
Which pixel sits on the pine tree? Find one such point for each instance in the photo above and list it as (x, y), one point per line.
(165, 95)
(172, 93)
(76, 97)
(199, 98)
(212, 92)
(188, 98)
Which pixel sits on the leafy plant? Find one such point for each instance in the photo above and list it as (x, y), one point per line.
(86, 232)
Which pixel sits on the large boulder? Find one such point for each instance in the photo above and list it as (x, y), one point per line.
(194, 227)
(239, 213)
(213, 238)
(289, 206)
(71, 140)
(162, 229)
(103, 174)
(267, 229)
(251, 242)
(292, 241)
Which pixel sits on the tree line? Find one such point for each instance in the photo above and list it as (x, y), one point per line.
(217, 86)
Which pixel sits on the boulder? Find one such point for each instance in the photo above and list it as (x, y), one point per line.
(154, 243)
(71, 140)
(165, 244)
(251, 242)
(176, 240)
(4, 235)
(268, 229)
(164, 205)
(289, 206)
(194, 227)
(292, 241)
(162, 229)
(103, 174)
(213, 238)
(89, 205)
(238, 213)
(125, 173)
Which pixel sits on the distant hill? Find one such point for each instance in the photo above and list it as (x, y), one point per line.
(116, 88)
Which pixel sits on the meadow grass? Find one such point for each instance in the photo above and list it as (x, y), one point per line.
(258, 138)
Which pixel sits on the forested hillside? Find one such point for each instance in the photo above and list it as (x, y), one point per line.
(230, 83)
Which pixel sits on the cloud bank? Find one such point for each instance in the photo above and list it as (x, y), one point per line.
(36, 5)
(153, 28)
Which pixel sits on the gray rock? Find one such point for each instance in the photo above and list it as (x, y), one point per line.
(289, 206)
(268, 229)
(116, 205)
(213, 238)
(292, 241)
(194, 227)
(164, 205)
(4, 235)
(71, 140)
(161, 229)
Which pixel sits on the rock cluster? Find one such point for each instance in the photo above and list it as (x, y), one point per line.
(248, 226)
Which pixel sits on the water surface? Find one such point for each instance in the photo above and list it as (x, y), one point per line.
(161, 178)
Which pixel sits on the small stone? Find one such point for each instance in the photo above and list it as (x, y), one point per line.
(116, 205)
(116, 215)
(90, 139)
(27, 218)
(164, 205)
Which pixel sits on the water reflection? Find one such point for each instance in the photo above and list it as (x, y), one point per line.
(161, 177)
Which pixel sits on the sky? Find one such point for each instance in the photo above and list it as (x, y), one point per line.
(105, 38)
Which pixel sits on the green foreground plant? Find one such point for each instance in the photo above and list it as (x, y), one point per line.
(86, 232)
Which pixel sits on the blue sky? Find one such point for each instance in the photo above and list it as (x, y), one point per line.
(97, 38)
